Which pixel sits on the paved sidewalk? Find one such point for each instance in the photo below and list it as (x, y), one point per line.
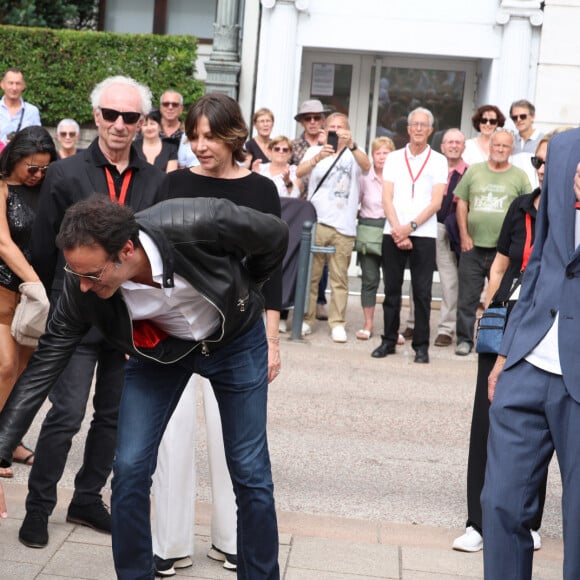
(369, 461)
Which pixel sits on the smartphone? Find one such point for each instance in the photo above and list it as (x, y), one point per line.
(332, 139)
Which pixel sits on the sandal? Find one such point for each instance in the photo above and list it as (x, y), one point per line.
(364, 334)
(27, 459)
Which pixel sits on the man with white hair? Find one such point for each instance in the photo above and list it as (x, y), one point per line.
(68, 134)
(110, 165)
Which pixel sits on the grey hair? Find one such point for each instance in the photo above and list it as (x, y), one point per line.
(143, 91)
(425, 112)
(65, 122)
(174, 92)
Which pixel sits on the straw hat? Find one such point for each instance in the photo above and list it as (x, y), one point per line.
(312, 107)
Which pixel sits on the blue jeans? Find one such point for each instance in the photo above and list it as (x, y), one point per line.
(238, 374)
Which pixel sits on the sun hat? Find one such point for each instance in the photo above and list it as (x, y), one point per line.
(313, 106)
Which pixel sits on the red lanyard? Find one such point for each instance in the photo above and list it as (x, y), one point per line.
(528, 244)
(124, 186)
(416, 177)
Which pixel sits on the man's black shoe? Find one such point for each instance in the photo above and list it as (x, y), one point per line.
(165, 568)
(383, 349)
(34, 529)
(422, 355)
(94, 515)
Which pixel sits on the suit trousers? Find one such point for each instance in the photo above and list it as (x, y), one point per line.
(532, 415)
(477, 458)
(69, 397)
(447, 268)
(174, 480)
(422, 264)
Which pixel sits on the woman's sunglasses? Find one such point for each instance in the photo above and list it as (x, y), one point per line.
(34, 169)
(537, 162)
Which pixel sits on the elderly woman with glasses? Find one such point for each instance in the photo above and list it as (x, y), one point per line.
(485, 120)
(23, 164)
(279, 169)
(67, 134)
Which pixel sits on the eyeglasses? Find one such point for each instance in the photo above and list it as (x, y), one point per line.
(537, 162)
(111, 115)
(34, 169)
(65, 134)
(310, 118)
(484, 121)
(419, 125)
(169, 104)
(281, 149)
(521, 117)
(92, 276)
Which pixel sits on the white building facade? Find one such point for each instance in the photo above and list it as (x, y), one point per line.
(377, 59)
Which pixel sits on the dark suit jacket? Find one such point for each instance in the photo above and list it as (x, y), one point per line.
(551, 284)
(72, 179)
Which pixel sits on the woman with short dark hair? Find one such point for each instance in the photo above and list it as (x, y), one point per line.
(485, 120)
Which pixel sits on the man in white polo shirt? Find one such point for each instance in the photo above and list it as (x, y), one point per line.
(414, 180)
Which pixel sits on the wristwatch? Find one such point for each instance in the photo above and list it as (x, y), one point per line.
(413, 225)
(354, 147)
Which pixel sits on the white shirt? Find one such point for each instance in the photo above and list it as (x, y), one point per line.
(410, 201)
(180, 311)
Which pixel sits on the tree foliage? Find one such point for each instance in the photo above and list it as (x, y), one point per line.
(80, 15)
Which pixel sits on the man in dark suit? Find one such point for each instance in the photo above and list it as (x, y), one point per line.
(109, 165)
(536, 399)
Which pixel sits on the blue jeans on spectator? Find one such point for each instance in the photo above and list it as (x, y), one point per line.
(238, 374)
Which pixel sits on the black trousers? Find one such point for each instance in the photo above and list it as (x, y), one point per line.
(69, 397)
(478, 449)
(422, 264)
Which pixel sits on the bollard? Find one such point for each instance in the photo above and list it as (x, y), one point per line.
(302, 281)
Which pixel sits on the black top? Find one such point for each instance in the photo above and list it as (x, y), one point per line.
(254, 150)
(512, 239)
(253, 191)
(21, 206)
(168, 152)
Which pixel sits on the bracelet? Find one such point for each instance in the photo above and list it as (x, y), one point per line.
(354, 147)
(274, 339)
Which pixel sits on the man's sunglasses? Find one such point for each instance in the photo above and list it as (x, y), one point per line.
(34, 169)
(537, 162)
(521, 117)
(93, 276)
(169, 104)
(65, 134)
(309, 118)
(111, 115)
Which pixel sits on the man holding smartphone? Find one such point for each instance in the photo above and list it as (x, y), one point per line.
(334, 170)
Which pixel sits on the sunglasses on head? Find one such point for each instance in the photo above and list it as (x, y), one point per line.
(309, 118)
(170, 104)
(521, 117)
(537, 162)
(34, 169)
(65, 134)
(111, 115)
(485, 121)
(281, 149)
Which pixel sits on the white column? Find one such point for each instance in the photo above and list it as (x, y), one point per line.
(276, 83)
(515, 64)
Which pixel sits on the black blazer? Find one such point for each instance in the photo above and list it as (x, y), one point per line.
(72, 179)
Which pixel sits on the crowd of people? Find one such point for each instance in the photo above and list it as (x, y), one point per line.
(173, 277)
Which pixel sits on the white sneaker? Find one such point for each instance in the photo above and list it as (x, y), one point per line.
(338, 334)
(306, 330)
(282, 326)
(537, 539)
(471, 541)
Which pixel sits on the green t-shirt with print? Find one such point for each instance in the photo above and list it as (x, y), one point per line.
(489, 195)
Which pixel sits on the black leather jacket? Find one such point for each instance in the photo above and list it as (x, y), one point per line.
(225, 251)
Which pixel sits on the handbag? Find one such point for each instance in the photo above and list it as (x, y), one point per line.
(369, 236)
(31, 313)
(490, 329)
(491, 325)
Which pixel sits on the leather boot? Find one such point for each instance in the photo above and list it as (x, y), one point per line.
(384, 348)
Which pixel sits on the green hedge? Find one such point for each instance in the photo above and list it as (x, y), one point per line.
(61, 67)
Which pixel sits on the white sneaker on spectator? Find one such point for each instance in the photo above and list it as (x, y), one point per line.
(338, 334)
(282, 326)
(470, 541)
(306, 330)
(537, 539)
